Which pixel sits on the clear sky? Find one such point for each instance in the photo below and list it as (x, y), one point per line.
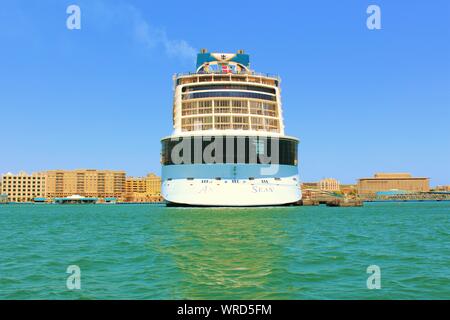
(361, 101)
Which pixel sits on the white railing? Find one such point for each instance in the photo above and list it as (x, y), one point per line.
(251, 73)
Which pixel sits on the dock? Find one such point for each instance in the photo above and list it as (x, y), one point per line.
(332, 203)
(308, 202)
(345, 203)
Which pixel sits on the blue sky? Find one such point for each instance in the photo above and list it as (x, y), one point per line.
(361, 101)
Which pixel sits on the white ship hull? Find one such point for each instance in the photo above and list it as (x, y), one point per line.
(234, 191)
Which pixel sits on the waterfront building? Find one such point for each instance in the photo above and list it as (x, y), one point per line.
(143, 189)
(322, 191)
(392, 181)
(329, 184)
(442, 188)
(3, 198)
(233, 115)
(135, 185)
(85, 182)
(309, 189)
(23, 187)
(348, 189)
(309, 185)
(153, 184)
(75, 199)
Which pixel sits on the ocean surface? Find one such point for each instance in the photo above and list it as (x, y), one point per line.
(154, 252)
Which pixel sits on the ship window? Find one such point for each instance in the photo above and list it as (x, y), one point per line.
(222, 119)
(222, 106)
(240, 106)
(263, 108)
(237, 94)
(223, 126)
(264, 124)
(268, 81)
(205, 104)
(240, 122)
(222, 103)
(189, 108)
(227, 87)
(254, 79)
(205, 79)
(221, 78)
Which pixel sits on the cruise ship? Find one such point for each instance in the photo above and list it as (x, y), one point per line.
(228, 146)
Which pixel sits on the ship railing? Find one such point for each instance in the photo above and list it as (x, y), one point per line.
(252, 73)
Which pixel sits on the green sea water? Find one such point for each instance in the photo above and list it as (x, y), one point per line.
(154, 252)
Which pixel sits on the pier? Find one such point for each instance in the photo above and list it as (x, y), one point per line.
(75, 199)
(345, 203)
(411, 196)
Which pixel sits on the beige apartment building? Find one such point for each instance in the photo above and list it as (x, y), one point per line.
(23, 187)
(329, 184)
(85, 182)
(393, 181)
(445, 188)
(143, 189)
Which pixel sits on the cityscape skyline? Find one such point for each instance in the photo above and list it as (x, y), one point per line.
(432, 184)
(361, 101)
(67, 185)
(330, 182)
(90, 183)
